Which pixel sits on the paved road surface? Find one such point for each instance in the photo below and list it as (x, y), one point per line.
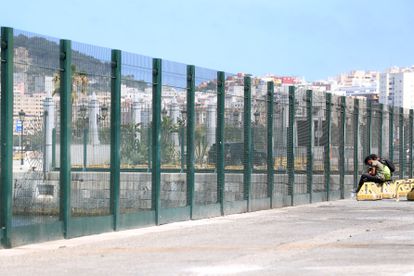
(331, 238)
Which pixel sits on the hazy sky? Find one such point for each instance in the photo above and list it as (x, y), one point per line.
(315, 38)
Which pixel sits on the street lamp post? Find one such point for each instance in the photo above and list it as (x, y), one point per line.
(255, 134)
(104, 112)
(82, 112)
(280, 110)
(22, 114)
(236, 118)
(182, 125)
(149, 141)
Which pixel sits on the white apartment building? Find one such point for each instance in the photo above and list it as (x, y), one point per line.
(358, 83)
(358, 78)
(397, 89)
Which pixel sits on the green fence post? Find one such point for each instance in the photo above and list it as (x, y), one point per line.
(53, 148)
(356, 141)
(290, 145)
(327, 146)
(247, 173)
(156, 136)
(269, 122)
(220, 139)
(401, 144)
(342, 141)
(381, 125)
(391, 132)
(310, 143)
(6, 183)
(116, 62)
(65, 132)
(410, 138)
(190, 136)
(368, 148)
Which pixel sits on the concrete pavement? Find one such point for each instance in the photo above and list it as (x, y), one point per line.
(331, 238)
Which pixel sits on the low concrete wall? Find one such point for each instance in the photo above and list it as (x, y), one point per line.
(91, 190)
(97, 154)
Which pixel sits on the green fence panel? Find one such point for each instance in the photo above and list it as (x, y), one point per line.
(207, 192)
(376, 121)
(320, 136)
(300, 140)
(135, 140)
(35, 193)
(380, 115)
(391, 133)
(396, 155)
(335, 148)
(369, 114)
(235, 200)
(94, 200)
(279, 144)
(401, 148)
(363, 146)
(174, 113)
(261, 143)
(406, 142)
(385, 133)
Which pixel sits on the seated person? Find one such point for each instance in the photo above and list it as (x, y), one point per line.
(378, 172)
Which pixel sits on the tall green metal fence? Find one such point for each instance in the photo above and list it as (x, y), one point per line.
(96, 140)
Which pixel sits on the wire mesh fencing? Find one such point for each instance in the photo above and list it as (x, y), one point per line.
(91, 139)
(349, 136)
(406, 143)
(136, 143)
(173, 133)
(234, 136)
(205, 150)
(317, 145)
(385, 133)
(362, 141)
(260, 186)
(376, 128)
(35, 190)
(320, 130)
(334, 156)
(300, 140)
(395, 140)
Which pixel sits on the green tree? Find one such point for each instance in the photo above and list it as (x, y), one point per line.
(134, 151)
(168, 152)
(200, 144)
(80, 83)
